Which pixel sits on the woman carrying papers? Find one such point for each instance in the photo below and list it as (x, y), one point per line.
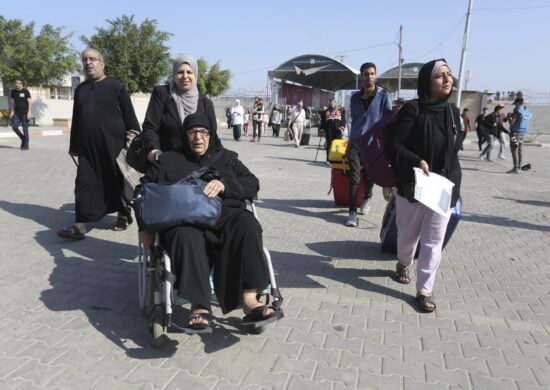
(427, 134)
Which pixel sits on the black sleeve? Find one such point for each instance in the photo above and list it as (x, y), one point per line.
(150, 177)
(241, 184)
(127, 109)
(489, 121)
(73, 143)
(153, 118)
(323, 121)
(399, 133)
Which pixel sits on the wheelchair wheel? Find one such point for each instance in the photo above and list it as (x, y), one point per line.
(158, 335)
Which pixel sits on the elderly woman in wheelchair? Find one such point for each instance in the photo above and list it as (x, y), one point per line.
(233, 248)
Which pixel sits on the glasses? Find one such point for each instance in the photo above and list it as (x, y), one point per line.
(90, 59)
(202, 132)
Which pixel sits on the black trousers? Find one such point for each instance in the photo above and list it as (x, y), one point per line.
(354, 156)
(480, 138)
(234, 248)
(256, 129)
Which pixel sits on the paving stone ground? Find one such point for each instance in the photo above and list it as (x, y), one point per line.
(70, 316)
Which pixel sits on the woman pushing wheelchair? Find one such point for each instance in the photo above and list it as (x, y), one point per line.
(233, 247)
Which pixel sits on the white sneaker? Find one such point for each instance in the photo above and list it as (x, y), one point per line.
(501, 158)
(365, 207)
(352, 219)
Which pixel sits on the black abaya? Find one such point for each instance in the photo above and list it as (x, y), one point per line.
(102, 113)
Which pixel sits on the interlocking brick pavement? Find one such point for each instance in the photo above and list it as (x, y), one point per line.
(70, 316)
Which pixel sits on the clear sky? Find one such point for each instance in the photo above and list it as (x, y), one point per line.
(508, 45)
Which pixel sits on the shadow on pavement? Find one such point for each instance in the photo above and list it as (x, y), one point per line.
(96, 277)
(530, 202)
(298, 271)
(342, 250)
(308, 161)
(503, 221)
(333, 213)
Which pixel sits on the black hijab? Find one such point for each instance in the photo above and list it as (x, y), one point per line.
(431, 112)
(202, 120)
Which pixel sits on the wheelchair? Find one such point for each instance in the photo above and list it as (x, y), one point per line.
(156, 293)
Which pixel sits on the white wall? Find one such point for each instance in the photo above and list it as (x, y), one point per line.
(44, 110)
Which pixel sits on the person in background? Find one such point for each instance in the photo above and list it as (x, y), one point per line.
(246, 119)
(333, 123)
(102, 116)
(480, 129)
(367, 107)
(265, 121)
(276, 118)
(20, 114)
(297, 121)
(228, 117)
(237, 119)
(491, 125)
(427, 134)
(466, 121)
(257, 113)
(519, 124)
(501, 135)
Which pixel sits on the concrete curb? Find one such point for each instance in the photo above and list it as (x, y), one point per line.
(6, 132)
(37, 133)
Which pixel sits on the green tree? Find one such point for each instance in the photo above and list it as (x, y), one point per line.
(42, 59)
(212, 80)
(134, 54)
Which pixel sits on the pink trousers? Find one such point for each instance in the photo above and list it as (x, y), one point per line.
(417, 222)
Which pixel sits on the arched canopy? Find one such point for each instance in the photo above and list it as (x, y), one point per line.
(317, 71)
(409, 76)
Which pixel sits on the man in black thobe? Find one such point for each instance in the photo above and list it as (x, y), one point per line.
(102, 115)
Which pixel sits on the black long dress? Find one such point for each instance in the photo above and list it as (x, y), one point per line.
(102, 113)
(233, 247)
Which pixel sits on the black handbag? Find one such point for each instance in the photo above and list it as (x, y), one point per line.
(162, 206)
(136, 156)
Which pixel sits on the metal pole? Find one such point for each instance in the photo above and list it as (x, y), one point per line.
(400, 60)
(464, 49)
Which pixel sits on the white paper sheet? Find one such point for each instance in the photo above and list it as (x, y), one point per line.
(433, 191)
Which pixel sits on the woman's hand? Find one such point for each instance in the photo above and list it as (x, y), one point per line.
(214, 188)
(425, 167)
(146, 238)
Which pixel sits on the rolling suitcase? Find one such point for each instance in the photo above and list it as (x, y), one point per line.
(340, 187)
(388, 231)
(337, 153)
(305, 139)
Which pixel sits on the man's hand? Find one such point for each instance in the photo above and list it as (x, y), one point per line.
(214, 188)
(146, 238)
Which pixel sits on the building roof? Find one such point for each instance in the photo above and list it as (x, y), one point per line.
(409, 76)
(317, 71)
